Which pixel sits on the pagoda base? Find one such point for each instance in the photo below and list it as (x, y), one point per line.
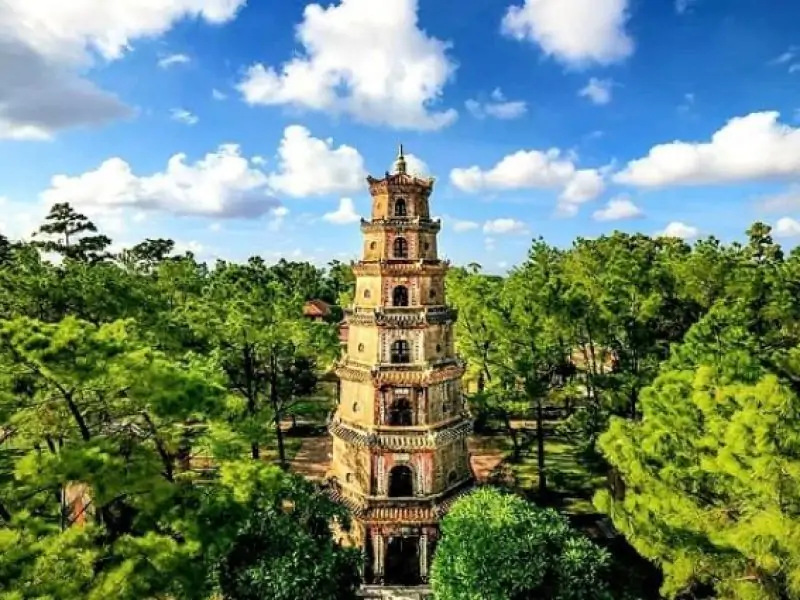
(376, 592)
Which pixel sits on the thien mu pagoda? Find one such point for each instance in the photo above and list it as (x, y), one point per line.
(400, 431)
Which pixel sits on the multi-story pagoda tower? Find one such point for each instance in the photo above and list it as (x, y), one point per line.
(400, 431)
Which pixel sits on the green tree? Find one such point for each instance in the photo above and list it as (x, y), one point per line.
(533, 351)
(267, 349)
(712, 471)
(496, 546)
(69, 233)
(148, 254)
(340, 284)
(96, 407)
(274, 538)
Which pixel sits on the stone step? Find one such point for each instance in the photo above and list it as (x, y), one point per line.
(377, 592)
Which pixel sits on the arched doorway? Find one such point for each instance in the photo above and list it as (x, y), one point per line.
(401, 482)
(400, 296)
(402, 561)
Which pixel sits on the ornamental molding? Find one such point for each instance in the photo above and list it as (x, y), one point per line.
(402, 183)
(411, 441)
(372, 510)
(405, 318)
(407, 224)
(388, 268)
(391, 375)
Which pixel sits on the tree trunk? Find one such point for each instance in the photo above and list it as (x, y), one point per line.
(512, 433)
(540, 446)
(275, 402)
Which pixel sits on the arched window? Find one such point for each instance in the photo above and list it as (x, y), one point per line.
(400, 296)
(401, 352)
(400, 208)
(451, 478)
(400, 413)
(400, 248)
(401, 482)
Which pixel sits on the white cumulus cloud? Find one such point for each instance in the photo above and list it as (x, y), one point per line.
(460, 226)
(498, 107)
(787, 227)
(309, 166)
(501, 226)
(533, 169)
(414, 165)
(173, 59)
(679, 230)
(363, 58)
(181, 115)
(756, 146)
(618, 209)
(221, 184)
(344, 215)
(575, 32)
(788, 199)
(45, 47)
(598, 90)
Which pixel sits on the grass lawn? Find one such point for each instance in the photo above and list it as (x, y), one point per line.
(571, 480)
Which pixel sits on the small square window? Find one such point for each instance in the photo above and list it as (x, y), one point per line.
(367, 294)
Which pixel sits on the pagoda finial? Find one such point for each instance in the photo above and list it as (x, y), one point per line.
(400, 164)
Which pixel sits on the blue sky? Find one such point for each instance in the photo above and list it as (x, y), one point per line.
(559, 118)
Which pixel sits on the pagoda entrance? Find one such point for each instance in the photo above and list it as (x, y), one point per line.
(402, 561)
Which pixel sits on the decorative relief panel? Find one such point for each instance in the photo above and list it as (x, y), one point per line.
(409, 282)
(381, 476)
(389, 336)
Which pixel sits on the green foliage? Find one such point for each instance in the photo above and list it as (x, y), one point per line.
(116, 377)
(712, 472)
(497, 546)
(68, 233)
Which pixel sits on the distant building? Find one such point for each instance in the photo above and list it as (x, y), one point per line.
(317, 310)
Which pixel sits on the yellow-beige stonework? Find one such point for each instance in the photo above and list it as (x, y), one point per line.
(400, 430)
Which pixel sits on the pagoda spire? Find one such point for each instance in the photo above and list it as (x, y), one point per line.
(400, 163)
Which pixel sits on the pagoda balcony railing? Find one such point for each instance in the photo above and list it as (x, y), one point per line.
(403, 366)
(396, 221)
(409, 439)
(462, 419)
(409, 366)
(388, 310)
(383, 507)
(408, 319)
(400, 265)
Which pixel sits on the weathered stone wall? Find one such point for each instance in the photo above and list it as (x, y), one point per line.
(368, 292)
(352, 466)
(362, 344)
(357, 402)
